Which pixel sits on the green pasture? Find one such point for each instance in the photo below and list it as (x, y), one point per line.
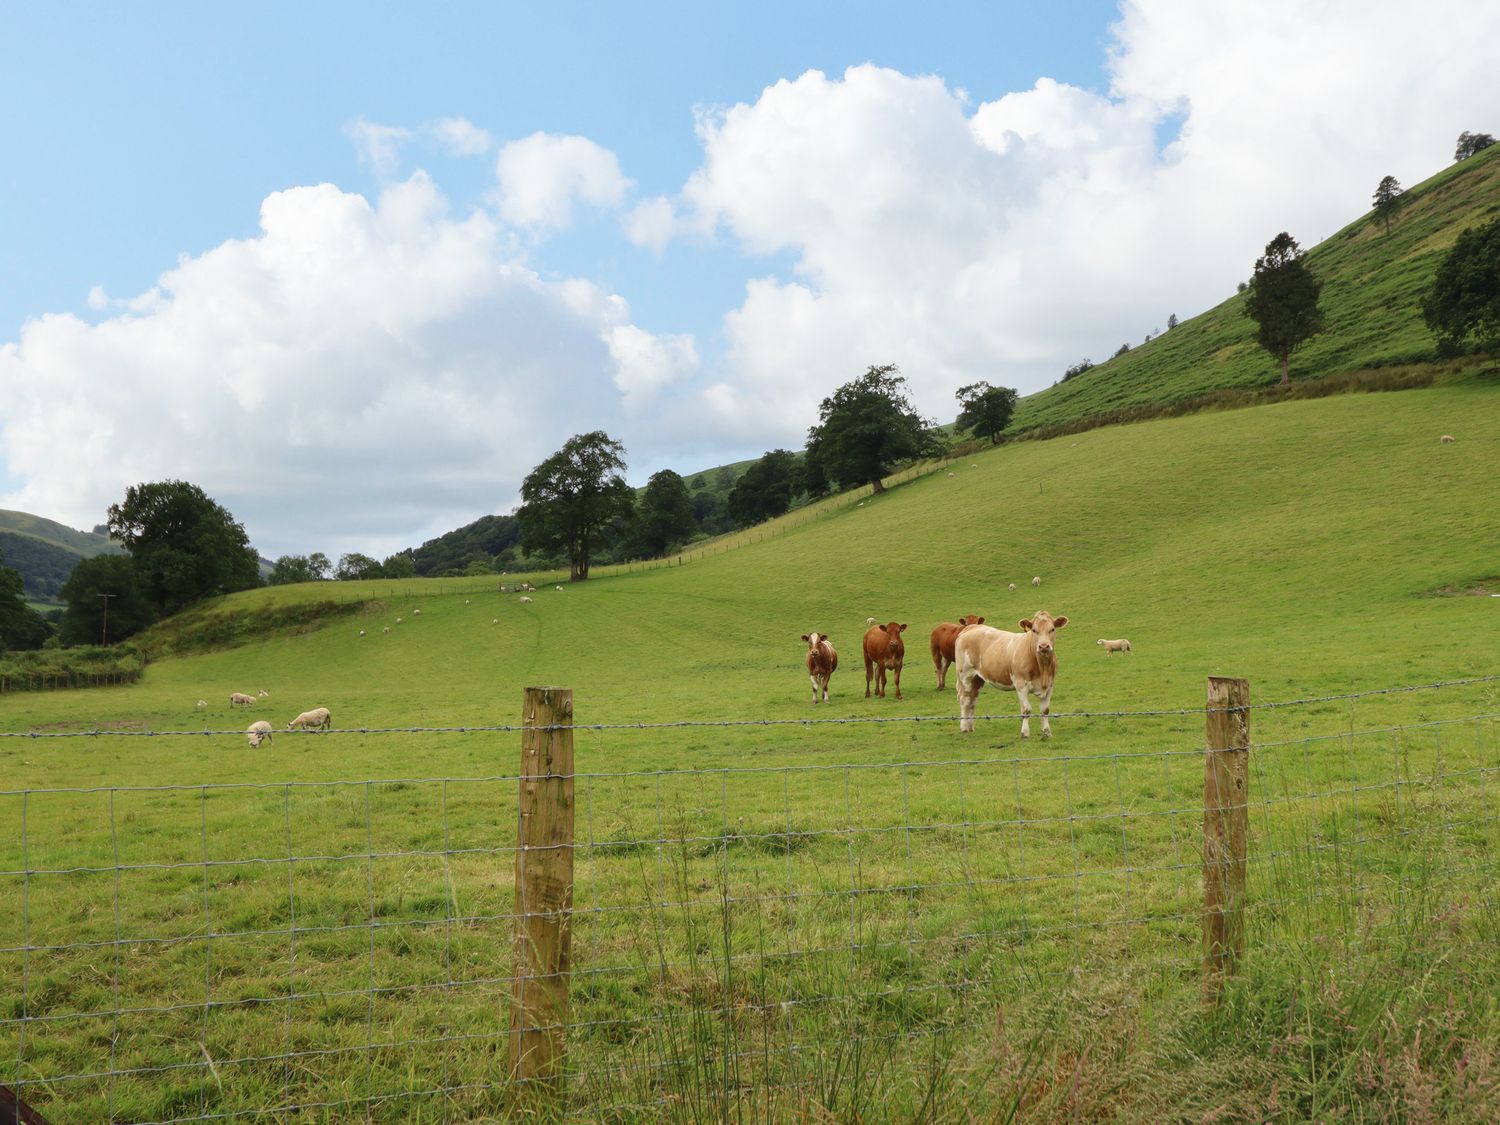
(777, 918)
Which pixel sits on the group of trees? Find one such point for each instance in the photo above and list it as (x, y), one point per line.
(316, 568)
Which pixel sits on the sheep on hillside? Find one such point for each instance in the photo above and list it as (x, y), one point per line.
(416, 613)
(202, 703)
(1121, 645)
(525, 600)
(1011, 587)
(318, 717)
(256, 732)
(1037, 581)
(1446, 439)
(263, 693)
(240, 699)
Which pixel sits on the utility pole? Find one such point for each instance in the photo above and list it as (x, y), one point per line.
(104, 630)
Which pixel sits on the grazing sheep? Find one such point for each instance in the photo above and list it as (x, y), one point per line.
(361, 632)
(494, 621)
(1446, 439)
(1037, 581)
(202, 703)
(398, 621)
(1012, 587)
(240, 699)
(525, 600)
(1121, 645)
(950, 474)
(466, 601)
(387, 629)
(416, 613)
(869, 621)
(317, 717)
(559, 588)
(256, 732)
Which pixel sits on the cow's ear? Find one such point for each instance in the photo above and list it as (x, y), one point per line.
(980, 621)
(903, 628)
(1059, 622)
(882, 628)
(1026, 624)
(804, 636)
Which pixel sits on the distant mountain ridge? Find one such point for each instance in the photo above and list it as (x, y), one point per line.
(45, 551)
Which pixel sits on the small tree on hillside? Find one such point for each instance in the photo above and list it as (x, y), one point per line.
(185, 546)
(867, 427)
(1171, 321)
(1470, 143)
(354, 566)
(571, 498)
(1388, 200)
(766, 489)
(985, 410)
(1283, 300)
(1463, 306)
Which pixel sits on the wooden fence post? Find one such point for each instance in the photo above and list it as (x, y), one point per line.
(1226, 824)
(544, 894)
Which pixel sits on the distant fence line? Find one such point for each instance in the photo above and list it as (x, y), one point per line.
(346, 944)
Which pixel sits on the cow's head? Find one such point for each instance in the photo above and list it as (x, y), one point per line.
(814, 639)
(1042, 626)
(970, 619)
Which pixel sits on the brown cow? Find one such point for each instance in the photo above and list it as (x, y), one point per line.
(884, 649)
(1025, 661)
(822, 663)
(942, 645)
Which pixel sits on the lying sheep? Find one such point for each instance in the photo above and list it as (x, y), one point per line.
(240, 699)
(1012, 587)
(416, 613)
(361, 632)
(1121, 645)
(257, 732)
(317, 717)
(559, 588)
(202, 703)
(869, 621)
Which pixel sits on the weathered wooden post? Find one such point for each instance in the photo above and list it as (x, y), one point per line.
(1226, 822)
(544, 894)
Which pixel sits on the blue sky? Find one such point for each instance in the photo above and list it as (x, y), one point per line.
(355, 268)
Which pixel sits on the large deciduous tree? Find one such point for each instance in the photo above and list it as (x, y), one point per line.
(1389, 199)
(664, 517)
(1283, 301)
(1471, 143)
(866, 428)
(765, 490)
(185, 546)
(1463, 306)
(569, 500)
(985, 411)
(21, 627)
(126, 610)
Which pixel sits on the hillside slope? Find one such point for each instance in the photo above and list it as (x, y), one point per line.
(1373, 283)
(45, 552)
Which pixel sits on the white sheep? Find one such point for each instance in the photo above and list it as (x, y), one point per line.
(1121, 645)
(869, 621)
(1012, 587)
(494, 621)
(240, 699)
(525, 600)
(559, 588)
(466, 601)
(387, 629)
(256, 732)
(317, 717)
(263, 693)
(361, 632)
(398, 621)
(201, 704)
(1446, 439)
(1037, 581)
(416, 613)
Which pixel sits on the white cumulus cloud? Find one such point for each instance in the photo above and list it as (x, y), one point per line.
(378, 146)
(542, 175)
(461, 137)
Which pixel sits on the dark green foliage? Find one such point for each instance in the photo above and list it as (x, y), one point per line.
(299, 568)
(1470, 143)
(1388, 200)
(185, 546)
(1283, 300)
(985, 411)
(664, 517)
(354, 566)
(399, 565)
(1121, 350)
(130, 609)
(570, 499)
(21, 627)
(1078, 369)
(766, 489)
(1171, 321)
(712, 513)
(866, 428)
(480, 541)
(1463, 306)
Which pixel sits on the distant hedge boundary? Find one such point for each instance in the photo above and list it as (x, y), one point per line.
(1394, 378)
(59, 669)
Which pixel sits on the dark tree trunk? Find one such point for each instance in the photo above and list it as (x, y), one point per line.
(1285, 380)
(879, 486)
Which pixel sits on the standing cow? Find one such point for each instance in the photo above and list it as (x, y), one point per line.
(942, 645)
(1025, 661)
(822, 663)
(884, 650)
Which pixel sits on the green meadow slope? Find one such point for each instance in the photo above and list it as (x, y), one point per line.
(1373, 283)
(895, 885)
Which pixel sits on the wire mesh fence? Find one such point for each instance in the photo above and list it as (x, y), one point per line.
(781, 930)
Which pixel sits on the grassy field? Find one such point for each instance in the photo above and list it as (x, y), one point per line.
(782, 919)
(1373, 284)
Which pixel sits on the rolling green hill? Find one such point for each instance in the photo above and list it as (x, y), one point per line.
(1373, 283)
(990, 924)
(45, 552)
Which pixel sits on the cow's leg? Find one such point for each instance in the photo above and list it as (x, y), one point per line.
(969, 684)
(813, 677)
(825, 686)
(1025, 710)
(897, 671)
(941, 664)
(869, 672)
(1046, 698)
